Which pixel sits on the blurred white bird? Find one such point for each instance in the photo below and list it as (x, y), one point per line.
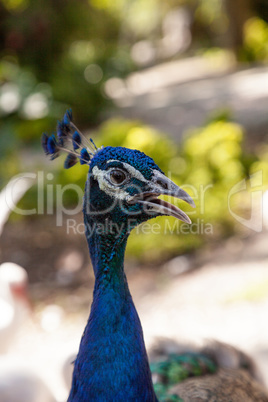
(19, 384)
(67, 370)
(11, 194)
(14, 302)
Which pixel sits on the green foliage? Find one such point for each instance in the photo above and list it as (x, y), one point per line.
(261, 162)
(53, 56)
(132, 134)
(25, 111)
(208, 164)
(256, 40)
(71, 47)
(214, 164)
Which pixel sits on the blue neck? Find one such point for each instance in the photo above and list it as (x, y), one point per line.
(112, 363)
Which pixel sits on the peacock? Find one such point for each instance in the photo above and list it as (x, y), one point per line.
(121, 192)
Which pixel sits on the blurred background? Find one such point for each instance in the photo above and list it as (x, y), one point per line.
(185, 81)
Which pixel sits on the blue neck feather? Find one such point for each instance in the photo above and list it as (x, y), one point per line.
(112, 363)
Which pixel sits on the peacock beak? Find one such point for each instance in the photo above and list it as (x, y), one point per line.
(162, 185)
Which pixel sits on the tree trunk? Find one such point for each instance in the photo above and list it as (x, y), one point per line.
(238, 12)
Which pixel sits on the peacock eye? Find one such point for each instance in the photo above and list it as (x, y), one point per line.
(117, 176)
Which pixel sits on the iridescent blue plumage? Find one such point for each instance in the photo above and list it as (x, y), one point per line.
(121, 192)
(61, 133)
(44, 143)
(52, 145)
(112, 363)
(69, 140)
(138, 159)
(77, 140)
(70, 161)
(68, 117)
(85, 158)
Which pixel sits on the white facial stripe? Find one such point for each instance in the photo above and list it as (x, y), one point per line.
(115, 192)
(112, 191)
(131, 170)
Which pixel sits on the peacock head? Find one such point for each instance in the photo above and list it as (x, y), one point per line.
(123, 185)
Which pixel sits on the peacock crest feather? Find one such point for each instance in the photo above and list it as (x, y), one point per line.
(70, 140)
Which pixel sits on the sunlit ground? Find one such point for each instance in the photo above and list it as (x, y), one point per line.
(181, 95)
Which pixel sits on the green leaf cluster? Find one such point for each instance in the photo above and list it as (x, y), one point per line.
(255, 40)
(208, 164)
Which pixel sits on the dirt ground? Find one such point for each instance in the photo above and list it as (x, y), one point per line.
(177, 96)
